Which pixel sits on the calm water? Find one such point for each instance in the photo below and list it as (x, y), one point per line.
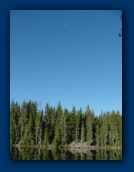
(42, 154)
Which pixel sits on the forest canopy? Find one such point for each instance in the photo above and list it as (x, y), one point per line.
(30, 125)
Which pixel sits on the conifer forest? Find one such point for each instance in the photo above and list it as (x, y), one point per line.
(31, 125)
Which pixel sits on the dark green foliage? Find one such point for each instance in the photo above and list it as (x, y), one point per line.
(89, 125)
(29, 135)
(78, 119)
(109, 129)
(14, 120)
(82, 132)
(57, 134)
(58, 127)
(71, 125)
(46, 138)
(38, 128)
(23, 119)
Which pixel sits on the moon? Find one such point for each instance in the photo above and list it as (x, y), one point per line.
(66, 24)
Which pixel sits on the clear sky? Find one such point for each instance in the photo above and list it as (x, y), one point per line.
(71, 56)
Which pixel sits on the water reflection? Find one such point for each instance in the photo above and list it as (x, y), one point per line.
(56, 154)
(109, 154)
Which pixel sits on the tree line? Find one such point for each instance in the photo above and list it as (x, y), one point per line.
(30, 125)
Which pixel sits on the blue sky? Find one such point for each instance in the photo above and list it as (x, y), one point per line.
(71, 56)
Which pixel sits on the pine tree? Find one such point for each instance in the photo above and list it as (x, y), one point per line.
(89, 125)
(58, 126)
(82, 132)
(46, 138)
(14, 127)
(64, 127)
(78, 125)
(23, 119)
(57, 135)
(105, 129)
(38, 128)
(50, 121)
(73, 123)
(97, 134)
(29, 135)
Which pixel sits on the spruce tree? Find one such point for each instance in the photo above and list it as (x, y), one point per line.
(14, 120)
(82, 132)
(89, 125)
(46, 138)
(78, 125)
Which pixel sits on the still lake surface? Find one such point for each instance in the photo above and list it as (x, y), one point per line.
(56, 154)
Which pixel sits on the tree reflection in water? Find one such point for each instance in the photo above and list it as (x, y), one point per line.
(57, 154)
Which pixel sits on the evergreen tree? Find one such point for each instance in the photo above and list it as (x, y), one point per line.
(14, 127)
(70, 125)
(58, 126)
(23, 120)
(38, 128)
(29, 135)
(97, 134)
(31, 112)
(78, 125)
(46, 138)
(57, 135)
(64, 127)
(89, 125)
(82, 132)
(73, 123)
(50, 121)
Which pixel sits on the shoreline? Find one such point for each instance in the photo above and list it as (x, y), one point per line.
(66, 147)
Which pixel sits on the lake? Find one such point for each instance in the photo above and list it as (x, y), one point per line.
(56, 154)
